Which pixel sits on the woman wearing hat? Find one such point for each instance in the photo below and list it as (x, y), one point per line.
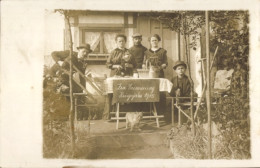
(155, 55)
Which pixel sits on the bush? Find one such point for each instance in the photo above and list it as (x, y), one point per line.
(230, 118)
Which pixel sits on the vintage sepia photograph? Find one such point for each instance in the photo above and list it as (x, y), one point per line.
(170, 84)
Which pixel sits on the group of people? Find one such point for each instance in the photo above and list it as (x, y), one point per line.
(123, 62)
(138, 57)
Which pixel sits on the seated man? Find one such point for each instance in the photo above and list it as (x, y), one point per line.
(181, 84)
(62, 65)
(62, 68)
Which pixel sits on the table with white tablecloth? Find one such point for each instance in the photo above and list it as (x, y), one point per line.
(164, 86)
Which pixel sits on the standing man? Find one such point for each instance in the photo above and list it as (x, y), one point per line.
(137, 50)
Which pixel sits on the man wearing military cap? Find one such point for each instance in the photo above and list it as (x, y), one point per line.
(137, 50)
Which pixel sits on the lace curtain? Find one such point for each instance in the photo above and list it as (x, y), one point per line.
(93, 39)
(109, 39)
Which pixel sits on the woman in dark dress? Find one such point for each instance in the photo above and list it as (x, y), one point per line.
(121, 63)
(155, 55)
(120, 60)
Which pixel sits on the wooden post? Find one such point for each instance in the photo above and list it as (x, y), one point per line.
(89, 118)
(204, 87)
(190, 79)
(208, 95)
(179, 112)
(172, 111)
(72, 131)
(179, 45)
(76, 109)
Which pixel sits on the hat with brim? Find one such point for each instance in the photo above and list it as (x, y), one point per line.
(136, 35)
(178, 63)
(86, 46)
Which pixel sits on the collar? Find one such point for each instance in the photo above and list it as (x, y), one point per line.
(184, 76)
(156, 51)
(138, 45)
(121, 49)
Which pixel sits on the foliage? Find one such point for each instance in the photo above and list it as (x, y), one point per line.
(187, 23)
(184, 145)
(56, 141)
(56, 107)
(230, 31)
(231, 116)
(56, 130)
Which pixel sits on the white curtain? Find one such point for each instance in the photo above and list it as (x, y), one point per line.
(109, 39)
(92, 38)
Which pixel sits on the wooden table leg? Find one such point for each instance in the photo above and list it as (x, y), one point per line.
(155, 114)
(117, 115)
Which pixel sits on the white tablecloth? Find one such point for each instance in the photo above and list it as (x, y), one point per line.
(165, 84)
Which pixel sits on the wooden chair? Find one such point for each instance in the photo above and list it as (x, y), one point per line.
(91, 107)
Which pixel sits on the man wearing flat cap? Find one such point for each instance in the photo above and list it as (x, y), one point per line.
(181, 87)
(181, 84)
(78, 59)
(137, 50)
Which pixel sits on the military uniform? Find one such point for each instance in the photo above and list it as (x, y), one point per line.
(138, 53)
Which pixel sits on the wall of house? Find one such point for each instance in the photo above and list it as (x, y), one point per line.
(102, 20)
(144, 25)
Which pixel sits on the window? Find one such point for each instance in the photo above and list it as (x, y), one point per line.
(102, 42)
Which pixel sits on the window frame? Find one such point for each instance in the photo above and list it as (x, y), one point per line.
(102, 30)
